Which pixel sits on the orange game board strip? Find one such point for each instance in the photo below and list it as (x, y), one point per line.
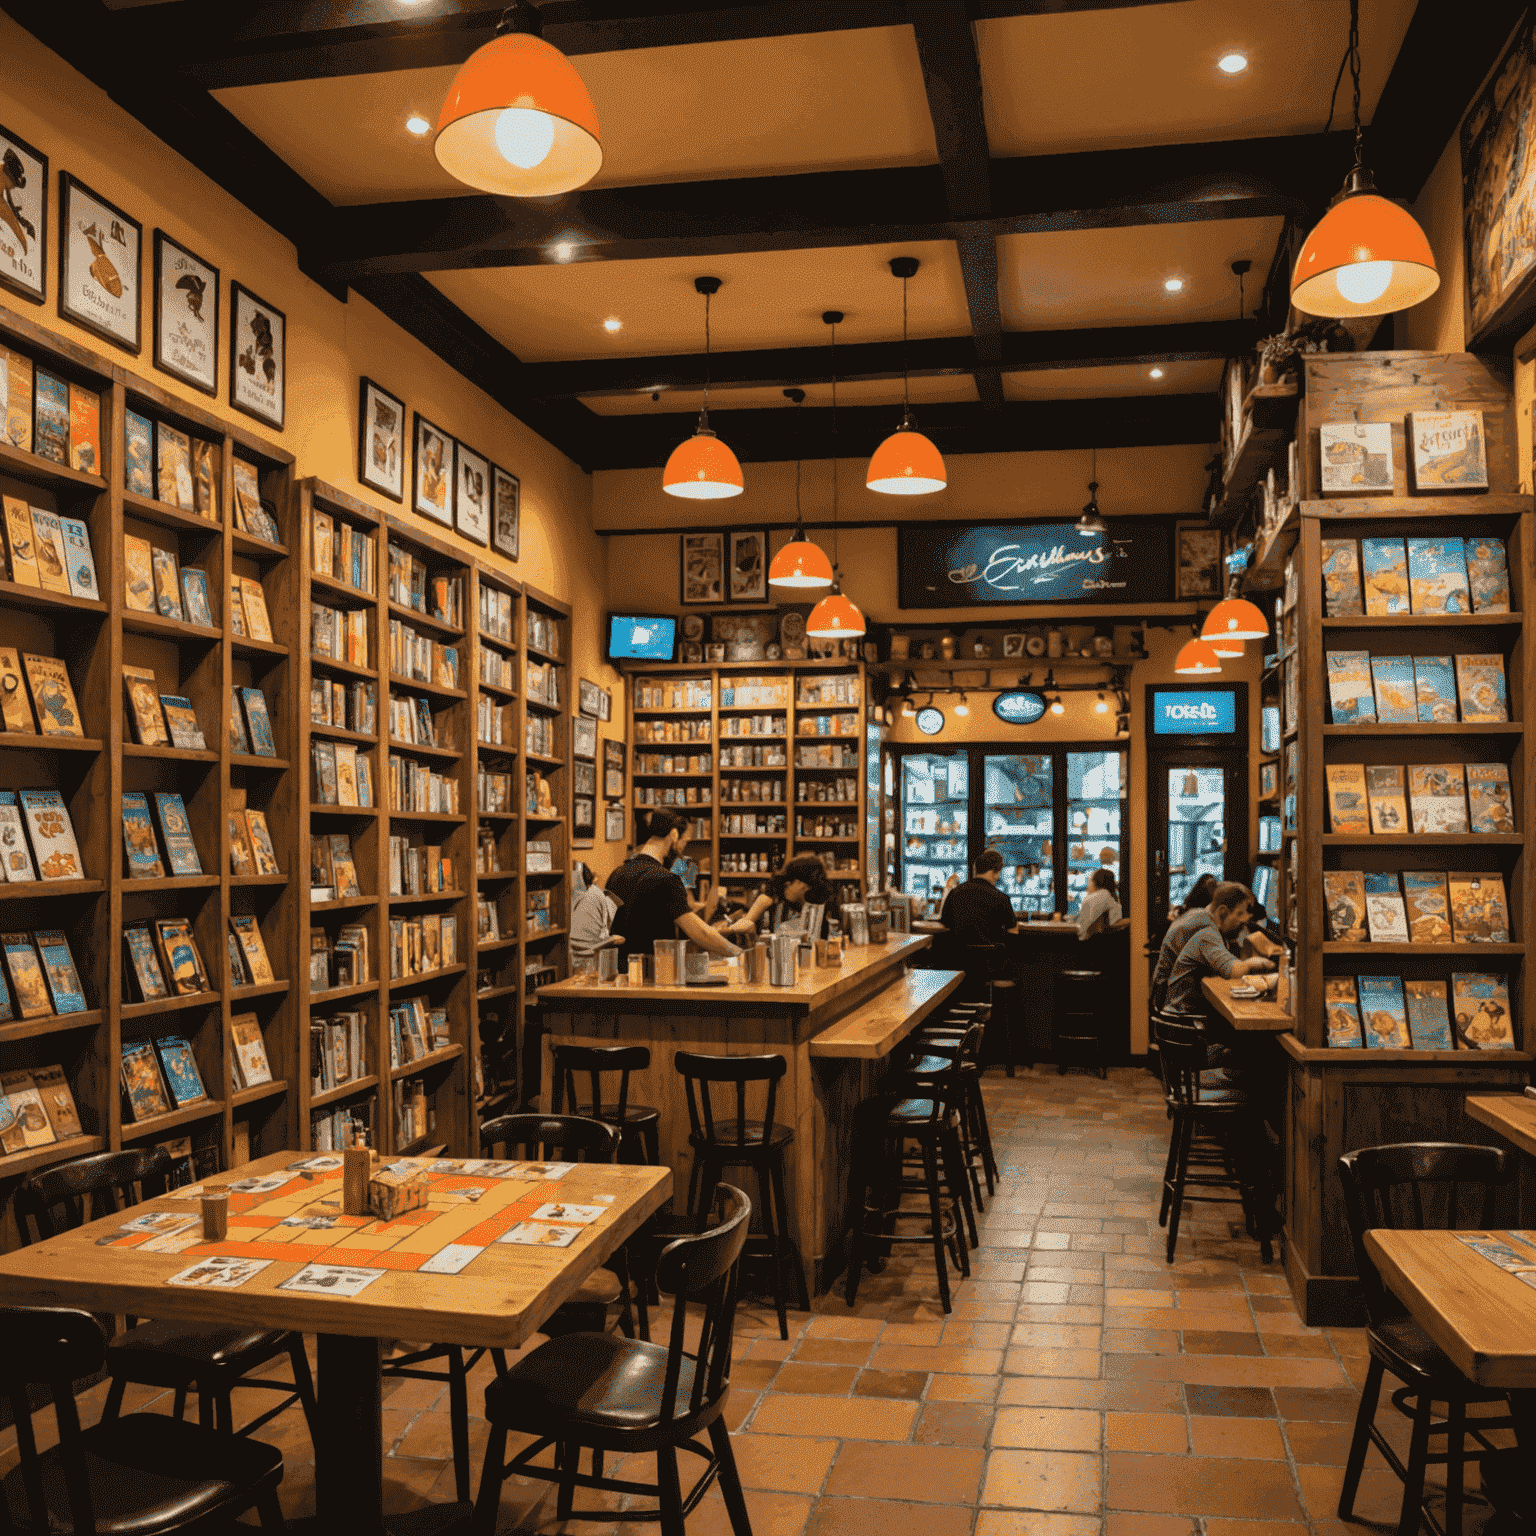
(367, 1258)
(493, 1226)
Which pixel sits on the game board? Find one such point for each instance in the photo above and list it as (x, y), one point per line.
(470, 1205)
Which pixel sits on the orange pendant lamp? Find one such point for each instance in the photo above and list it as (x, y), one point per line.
(1367, 256)
(834, 617)
(906, 463)
(518, 120)
(800, 565)
(702, 468)
(1197, 659)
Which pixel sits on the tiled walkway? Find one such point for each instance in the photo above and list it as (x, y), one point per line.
(1081, 1387)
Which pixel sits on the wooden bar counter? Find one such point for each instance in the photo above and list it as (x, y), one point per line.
(860, 1011)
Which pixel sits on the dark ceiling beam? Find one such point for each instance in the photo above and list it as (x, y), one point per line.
(218, 46)
(929, 357)
(1100, 189)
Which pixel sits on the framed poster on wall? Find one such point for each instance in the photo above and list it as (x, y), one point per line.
(749, 566)
(583, 819)
(258, 357)
(613, 770)
(24, 213)
(433, 472)
(381, 440)
(703, 567)
(1199, 561)
(471, 500)
(506, 503)
(613, 824)
(186, 315)
(100, 265)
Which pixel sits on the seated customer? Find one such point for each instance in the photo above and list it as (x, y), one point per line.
(1100, 910)
(1195, 947)
(592, 915)
(977, 912)
(800, 884)
(1246, 937)
(653, 902)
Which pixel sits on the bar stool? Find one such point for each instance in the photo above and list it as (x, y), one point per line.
(1077, 1011)
(736, 1141)
(636, 1123)
(941, 1044)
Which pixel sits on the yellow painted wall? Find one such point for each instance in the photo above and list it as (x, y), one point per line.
(329, 344)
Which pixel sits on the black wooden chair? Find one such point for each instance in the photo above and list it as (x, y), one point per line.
(638, 1124)
(537, 1138)
(145, 1474)
(1417, 1186)
(733, 1140)
(180, 1357)
(942, 1038)
(630, 1396)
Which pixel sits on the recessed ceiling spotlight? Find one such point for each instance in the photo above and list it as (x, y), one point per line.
(612, 324)
(1157, 373)
(562, 252)
(1174, 284)
(1232, 63)
(417, 124)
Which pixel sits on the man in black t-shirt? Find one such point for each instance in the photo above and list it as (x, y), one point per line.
(977, 912)
(654, 902)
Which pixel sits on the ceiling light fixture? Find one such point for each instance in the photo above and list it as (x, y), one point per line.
(562, 252)
(518, 121)
(1157, 373)
(800, 564)
(1090, 524)
(962, 708)
(1367, 256)
(417, 124)
(702, 468)
(906, 463)
(1174, 284)
(835, 617)
(1102, 707)
(1057, 707)
(1232, 63)
(612, 324)
(1197, 659)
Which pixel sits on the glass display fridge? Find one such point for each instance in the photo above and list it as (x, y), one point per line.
(935, 821)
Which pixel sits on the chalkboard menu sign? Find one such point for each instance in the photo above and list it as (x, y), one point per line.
(959, 565)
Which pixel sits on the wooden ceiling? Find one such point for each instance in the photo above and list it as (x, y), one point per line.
(1050, 162)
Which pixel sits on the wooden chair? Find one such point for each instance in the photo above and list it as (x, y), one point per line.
(145, 1474)
(181, 1357)
(1416, 1186)
(638, 1124)
(938, 1043)
(630, 1396)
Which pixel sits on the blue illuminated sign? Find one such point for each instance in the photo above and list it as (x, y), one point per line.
(1018, 708)
(1210, 712)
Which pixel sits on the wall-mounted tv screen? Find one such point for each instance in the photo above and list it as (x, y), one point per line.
(641, 637)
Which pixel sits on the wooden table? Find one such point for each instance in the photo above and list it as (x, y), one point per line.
(1254, 1015)
(499, 1301)
(1513, 1116)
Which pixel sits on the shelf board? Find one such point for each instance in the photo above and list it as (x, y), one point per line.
(811, 837)
(344, 904)
(399, 684)
(33, 890)
(149, 510)
(447, 817)
(258, 760)
(730, 805)
(539, 655)
(399, 983)
(490, 946)
(1424, 728)
(30, 741)
(750, 837)
(52, 1024)
(657, 773)
(499, 641)
(431, 1059)
(705, 709)
(34, 599)
(169, 1005)
(158, 1125)
(341, 733)
(260, 989)
(539, 757)
(497, 815)
(343, 1090)
(159, 627)
(248, 645)
(1425, 621)
(169, 754)
(1425, 839)
(497, 874)
(724, 768)
(340, 994)
(1426, 951)
(422, 898)
(491, 993)
(249, 545)
(342, 590)
(41, 471)
(257, 880)
(343, 810)
(346, 668)
(170, 883)
(543, 821)
(545, 933)
(16, 1165)
(1478, 504)
(244, 1096)
(445, 753)
(500, 688)
(414, 616)
(495, 749)
(848, 805)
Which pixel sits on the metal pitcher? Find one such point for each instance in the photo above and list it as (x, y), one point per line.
(669, 961)
(752, 966)
(607, 964)
(783, 953)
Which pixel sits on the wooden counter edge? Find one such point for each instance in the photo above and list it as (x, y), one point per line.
(1492, 1110)
(846, 1039)
(1345, 1056)
(1217, 992)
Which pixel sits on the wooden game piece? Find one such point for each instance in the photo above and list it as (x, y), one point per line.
(392, 1194)
(356, 1169)
(215, 1214)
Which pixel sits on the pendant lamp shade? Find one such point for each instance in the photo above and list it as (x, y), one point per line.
(835, 618)
(1224, 646)
(906, 464)
(1234, 618)
(1197, 659)
(1367, 256)
(800, 564)
(702, 468)
(518, 121)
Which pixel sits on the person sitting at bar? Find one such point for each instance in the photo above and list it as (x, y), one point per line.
(1100, 910)
(1247, 937)
(801, 883)
(1195, 947)
(977, 912)
(653, 902)
(592, 915)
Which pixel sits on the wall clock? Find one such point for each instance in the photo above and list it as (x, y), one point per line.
(930, 721)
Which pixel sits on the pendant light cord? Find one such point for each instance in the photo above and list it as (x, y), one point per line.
(704, 414)
(1351, 59)
(833, 329)
(906, 399)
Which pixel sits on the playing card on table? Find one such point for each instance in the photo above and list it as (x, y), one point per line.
(578, 1215)
(450, 1260)
(542, 1170)
(331, 1279)
(174, 1242)
(315, 1165)
(540, 1234)
(161, 1223)
(220, 1273)
(262, 1186)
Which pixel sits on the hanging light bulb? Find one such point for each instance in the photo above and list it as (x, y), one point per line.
(517, 120)
(906, 463)
(1102, 707)
(962, 708)
(800, 563)
(1366, 256)
(835, 617)
(1091, 523)
(908, 708)
(702, 468)
(1197, 659)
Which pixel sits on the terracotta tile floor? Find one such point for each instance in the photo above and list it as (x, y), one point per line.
(1081, 1386)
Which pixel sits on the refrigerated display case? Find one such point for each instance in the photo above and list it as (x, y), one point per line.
(935, 821)
(1020, 822)
(1095, 816)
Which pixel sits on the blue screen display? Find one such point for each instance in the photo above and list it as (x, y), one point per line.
(1018, 707)
(1211, 712)
(644, 637)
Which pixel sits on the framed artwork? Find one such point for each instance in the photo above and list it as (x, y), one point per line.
(613, 770)
(472, 496)
(749, 566)
(1447, 450)
(100, 265)
(1356, 456)
(432, 472)
(584, 779)
(583, 819)
(1498, 192)
(604, 705)
(703, 567)
(506, 510)
(380, 440)
(613, 824)
(1198, 570)
(1013, 646)
(584, 738)
(186, 315)
(746, 636)
(589, 699)
(258, 357)
(24, 217)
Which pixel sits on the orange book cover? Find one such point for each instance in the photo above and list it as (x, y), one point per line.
(85, 429)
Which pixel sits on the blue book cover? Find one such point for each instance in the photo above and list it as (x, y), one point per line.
(1429, 1018)
(1349, 688)
(1435, 687)
(79, 559)
(1384, 1013)
(1384, 573)
(194, 595)
(139, 841)
(1437, 576)
(177, 831)
(6, 1016)
(59, 967)
(139, 460)
(50, 395)
(1270, 741)
(262, 744)
(180, 1067)
(1488, 575)
(1396, 701)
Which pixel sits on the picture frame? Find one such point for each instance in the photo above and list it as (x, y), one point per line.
(432, 471)
(506, 511)
(613, 824)
(1013, 647)
(1197, 561)
(101, 265)
(1356, 458)
(746, 636)
(380, 440)
(258, 357)
(748, 568)
(472, 495)
(714, 652)
(588, 697)
(186, 315)
(583, 820)
(23, 218)
(584, 738)
(701, 568)
(613, 770)
(584, 778)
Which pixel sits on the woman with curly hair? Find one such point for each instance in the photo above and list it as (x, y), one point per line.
(801, 883)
